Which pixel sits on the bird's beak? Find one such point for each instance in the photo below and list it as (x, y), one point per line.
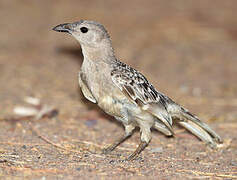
(63, 28)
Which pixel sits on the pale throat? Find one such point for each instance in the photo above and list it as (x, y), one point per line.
(102, 53)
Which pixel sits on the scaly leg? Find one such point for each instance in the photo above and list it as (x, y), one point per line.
(145, 139)
(128, 132)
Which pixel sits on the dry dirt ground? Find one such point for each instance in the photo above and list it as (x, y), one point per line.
(187, 49)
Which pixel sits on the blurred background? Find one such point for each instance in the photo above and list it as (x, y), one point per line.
(187, 49)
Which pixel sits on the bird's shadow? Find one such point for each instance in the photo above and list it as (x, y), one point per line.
(76, 55)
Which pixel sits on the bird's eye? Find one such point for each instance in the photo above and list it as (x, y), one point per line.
(84, 29)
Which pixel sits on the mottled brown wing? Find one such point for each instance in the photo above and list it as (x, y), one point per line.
(141, 92)
(134, 83)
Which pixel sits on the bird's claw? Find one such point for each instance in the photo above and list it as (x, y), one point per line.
(107, 150)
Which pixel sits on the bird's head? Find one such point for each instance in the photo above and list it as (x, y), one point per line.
(88, 33)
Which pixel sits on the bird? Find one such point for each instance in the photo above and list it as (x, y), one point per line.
(125, 93)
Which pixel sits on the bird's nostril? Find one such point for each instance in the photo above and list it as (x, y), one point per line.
(66, 26)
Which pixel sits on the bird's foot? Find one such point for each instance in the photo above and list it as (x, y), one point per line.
(139, 149)
(108, 150)
(115, 144)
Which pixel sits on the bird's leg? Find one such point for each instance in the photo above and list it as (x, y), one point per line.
(145, 139)
(139, 149)
(128, 132)
(115, 144)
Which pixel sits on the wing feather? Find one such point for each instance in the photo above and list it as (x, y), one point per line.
(135, 84)
(140, 91)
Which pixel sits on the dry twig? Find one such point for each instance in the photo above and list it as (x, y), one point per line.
(198, 173)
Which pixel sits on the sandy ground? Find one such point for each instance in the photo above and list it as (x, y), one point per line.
(187, 49)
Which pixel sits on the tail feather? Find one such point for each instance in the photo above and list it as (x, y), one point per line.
(195, 120)
(199, 132)
(162, 128)
(160, 113)
(194, 125)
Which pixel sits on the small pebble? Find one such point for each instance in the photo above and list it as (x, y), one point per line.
(91, 122)
(112, 161)
(158, 150)
(86, 155)
(233, 163)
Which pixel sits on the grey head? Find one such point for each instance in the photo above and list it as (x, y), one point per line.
(88, 33)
